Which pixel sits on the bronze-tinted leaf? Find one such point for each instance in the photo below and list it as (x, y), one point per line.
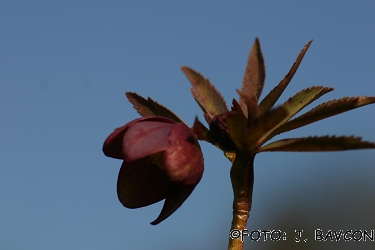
(297, 102)
(272, 97)
(210, 100)
(236, 107)
(205, 115)
(202, 108)
(251, 105)
(148, 107)
(207, 118)
(263, 125)
(314, 144)
(326, 110)
(303, 98)
(255, 74)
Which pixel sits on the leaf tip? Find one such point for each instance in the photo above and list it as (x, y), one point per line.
(184, 68)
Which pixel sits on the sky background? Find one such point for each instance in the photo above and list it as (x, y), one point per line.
(64, 69)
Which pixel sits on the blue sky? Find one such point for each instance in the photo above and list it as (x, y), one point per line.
(64, 68)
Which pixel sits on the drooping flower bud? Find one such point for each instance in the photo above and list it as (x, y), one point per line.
(162, 160)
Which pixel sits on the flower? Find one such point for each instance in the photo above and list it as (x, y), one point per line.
(162, 160)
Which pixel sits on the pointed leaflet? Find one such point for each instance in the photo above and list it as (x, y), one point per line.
(148, 107)
(325, 110)
(205, 93)
(314, 144)
(263, 125)
(297, 102)
(251, 105)
(272, 97)
(255, 75)
(236, 107)
(205, 115)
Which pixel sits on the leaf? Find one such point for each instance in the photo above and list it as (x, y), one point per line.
(272, 97)
(201, 131)
(297, 102)
(207, 118)
(314, 144)
(210, 100)
(205, 115)
(148, 107)
(255, 75)
(251, 105)
(236, 107)
(303, 98)
(263, 125)
(325, 110)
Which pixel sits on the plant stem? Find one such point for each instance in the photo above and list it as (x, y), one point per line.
(242, 177)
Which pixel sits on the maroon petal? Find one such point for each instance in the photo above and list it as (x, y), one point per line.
(175, 198)
(141, 183)
(183, 159)
(112, 146)
(145, 138)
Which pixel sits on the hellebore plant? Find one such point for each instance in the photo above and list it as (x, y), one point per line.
(162, 158)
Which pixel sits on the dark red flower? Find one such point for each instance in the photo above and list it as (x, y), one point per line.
(162, 160)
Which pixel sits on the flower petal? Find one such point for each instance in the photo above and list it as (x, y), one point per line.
(183, 159)
(145, 138)
(175, 198)
(112, 146)
(141, 183)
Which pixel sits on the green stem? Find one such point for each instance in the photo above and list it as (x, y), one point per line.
(242, 177)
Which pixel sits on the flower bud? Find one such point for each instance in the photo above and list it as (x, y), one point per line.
(162, 160)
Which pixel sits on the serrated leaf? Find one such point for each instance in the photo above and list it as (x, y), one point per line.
(297, 102)
(148, 107)
(205, 115)
(303, 98)
(272, 97)
(255, 75)
(315, 144)
(251, 105)
(325, 110)
(263, 125)
(210, 100)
